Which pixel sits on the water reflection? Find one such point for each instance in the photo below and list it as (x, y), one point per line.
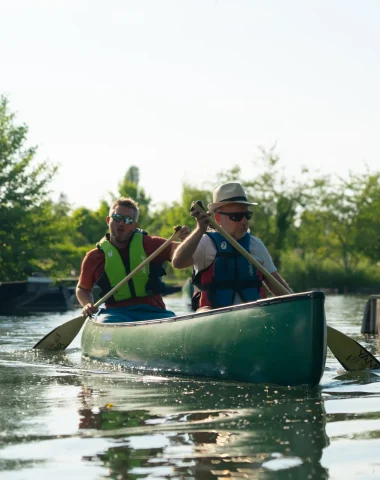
(92, 420)
(190, 430)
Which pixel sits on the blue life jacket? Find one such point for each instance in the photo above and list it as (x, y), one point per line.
(230, 273)
(145, 282)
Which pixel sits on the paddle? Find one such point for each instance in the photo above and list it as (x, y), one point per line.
(62, 336)
(350, 354)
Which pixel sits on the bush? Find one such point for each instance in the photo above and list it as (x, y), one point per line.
(306, 272)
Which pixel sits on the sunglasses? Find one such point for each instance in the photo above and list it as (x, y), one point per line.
(237, 216)
(118, 218)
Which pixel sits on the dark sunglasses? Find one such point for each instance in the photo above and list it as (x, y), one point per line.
(237, 216)
(118, 218)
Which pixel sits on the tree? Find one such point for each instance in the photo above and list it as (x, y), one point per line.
(89, 226)
(28, 226)
(280, 201)
(130, 187)
(342, 223)
(368, 224)
(168, 216)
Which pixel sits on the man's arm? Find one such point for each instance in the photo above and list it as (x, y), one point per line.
(183, 254)
(184, 233)
(84, 296)
(86, 281)
(86, 299)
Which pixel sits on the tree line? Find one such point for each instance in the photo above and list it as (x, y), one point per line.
(321, 230)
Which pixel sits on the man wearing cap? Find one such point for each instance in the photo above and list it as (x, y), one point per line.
(221, 274)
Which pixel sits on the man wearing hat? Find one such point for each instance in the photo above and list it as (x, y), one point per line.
(221, 274)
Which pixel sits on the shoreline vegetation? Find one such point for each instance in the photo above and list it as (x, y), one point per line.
(321, 230)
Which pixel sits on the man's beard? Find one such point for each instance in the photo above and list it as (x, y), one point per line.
(121, 237)
(241, 232)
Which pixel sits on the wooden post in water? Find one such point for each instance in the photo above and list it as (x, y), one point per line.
(371, 315)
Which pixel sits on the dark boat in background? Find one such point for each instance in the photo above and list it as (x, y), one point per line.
(35, 294)
(39, 293)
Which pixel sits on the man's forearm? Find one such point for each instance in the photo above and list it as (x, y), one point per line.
(84, 296)
(183, 255)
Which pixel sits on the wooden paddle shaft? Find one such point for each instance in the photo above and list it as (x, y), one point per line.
(62, 336)
(139, 267)
(244, 252)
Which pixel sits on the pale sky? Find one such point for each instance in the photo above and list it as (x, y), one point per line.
(185, 88)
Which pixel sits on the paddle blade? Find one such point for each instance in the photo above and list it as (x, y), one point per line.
(62, 336)
(350, 354)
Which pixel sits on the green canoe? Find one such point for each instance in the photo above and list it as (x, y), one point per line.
(280, 340)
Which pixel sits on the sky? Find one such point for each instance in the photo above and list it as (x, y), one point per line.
(184, 89)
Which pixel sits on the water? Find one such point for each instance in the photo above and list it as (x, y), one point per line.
(66, 416)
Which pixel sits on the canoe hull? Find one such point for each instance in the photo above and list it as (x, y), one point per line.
(280, 340)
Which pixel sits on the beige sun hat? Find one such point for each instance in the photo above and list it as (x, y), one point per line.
(231, 192)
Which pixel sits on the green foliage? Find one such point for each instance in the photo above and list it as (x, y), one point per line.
(89, 226)
(280, 200)
(29, 226)
(191, 194)
(68, 260)
(130, 187)
(341, 224)
(368, 224)
(166, 217)
(305, 271)
(22, 181)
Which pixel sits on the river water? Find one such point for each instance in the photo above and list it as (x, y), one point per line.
(65, 416)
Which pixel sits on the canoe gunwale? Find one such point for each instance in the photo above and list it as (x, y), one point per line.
(244, 306)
